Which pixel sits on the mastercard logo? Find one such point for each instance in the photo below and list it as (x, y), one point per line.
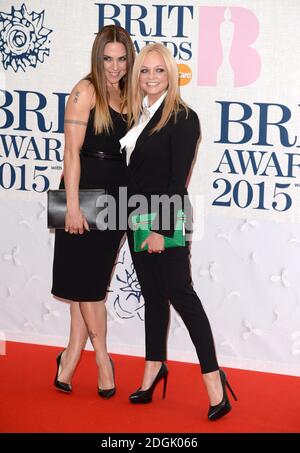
(185, 74)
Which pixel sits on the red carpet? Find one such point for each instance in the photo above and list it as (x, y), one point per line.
(30, 403)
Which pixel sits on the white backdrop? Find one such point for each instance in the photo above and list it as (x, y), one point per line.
(239, 68)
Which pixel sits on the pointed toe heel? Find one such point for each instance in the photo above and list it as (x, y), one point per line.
(62, 386)
(221, 409)
(108, 393)
(145, 396)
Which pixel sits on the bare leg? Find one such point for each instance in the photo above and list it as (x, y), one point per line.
(94, 315)
(77, 340)
(150, 373)
(213, 386)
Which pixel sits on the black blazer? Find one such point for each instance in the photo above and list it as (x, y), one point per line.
(160, 162)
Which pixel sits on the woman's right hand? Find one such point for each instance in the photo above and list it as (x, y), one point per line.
(75, 222)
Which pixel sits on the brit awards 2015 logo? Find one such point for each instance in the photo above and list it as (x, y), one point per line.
(168, 24)
(24, 41)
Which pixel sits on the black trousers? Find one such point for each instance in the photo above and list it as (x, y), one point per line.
(166, 278)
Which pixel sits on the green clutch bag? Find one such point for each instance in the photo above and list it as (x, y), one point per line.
(142, 228)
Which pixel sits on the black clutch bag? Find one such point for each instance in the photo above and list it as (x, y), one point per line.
(92, 202)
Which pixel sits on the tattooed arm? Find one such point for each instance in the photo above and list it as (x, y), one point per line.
(77, 112)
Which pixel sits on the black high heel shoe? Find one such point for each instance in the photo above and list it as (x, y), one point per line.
(145, 396)
(63, 386)
(224, 406)
(108, 393)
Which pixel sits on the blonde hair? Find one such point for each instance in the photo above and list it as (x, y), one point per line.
(109, 33)
(173, 102)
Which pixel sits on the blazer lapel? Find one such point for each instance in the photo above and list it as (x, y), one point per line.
(144, 135)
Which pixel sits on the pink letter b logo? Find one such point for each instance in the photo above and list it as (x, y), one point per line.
(225, 55)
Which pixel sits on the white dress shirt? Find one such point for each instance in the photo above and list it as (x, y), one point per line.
(129, 140)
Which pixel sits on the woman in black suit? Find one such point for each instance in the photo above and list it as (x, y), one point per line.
(160, 149)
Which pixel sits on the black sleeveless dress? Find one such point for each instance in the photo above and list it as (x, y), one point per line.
(83, 264)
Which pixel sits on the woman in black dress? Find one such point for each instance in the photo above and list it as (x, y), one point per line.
(95, 120)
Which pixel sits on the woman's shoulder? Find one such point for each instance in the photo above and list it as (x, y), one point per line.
(187, 114)
(84, 91)
(186, 110)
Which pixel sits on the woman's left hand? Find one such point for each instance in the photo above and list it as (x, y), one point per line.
(155, 243)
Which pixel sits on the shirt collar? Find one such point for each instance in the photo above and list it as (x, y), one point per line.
(152, 109)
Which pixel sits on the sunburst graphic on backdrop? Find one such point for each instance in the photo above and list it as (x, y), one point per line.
(24, 41)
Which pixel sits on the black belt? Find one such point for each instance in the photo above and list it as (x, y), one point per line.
(101, 155)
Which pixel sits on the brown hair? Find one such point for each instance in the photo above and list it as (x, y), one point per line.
(109, 33)
(173, 102)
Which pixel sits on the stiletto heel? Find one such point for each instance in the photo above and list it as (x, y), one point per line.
(165, 385)
(108, 393)
(224, 406)
(145, 396)
(231, 391)
(63, 386)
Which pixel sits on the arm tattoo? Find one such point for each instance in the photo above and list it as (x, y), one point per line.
(82, 123)
(76, 96)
